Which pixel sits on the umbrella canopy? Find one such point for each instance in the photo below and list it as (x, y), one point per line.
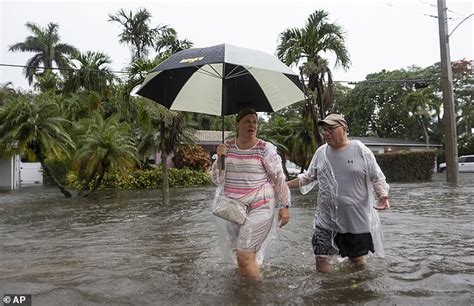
(221, 80)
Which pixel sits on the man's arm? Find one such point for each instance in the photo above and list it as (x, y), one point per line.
(379, 183)
(294, 183)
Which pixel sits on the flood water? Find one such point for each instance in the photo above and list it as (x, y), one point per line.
(124, 248)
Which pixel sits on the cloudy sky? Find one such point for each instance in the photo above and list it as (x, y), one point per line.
(382, 34)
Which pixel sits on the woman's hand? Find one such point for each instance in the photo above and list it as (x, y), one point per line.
(222, 150)
(283, 216)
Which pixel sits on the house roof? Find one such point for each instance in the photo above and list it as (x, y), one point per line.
(211, 137)
(215, 137)
(376, 141)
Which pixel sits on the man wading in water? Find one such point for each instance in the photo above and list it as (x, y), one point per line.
(348, 176)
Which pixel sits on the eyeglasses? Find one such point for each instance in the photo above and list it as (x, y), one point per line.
(330, 129)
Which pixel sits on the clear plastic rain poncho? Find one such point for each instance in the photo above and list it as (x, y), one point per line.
(321, 173)
(265, 168)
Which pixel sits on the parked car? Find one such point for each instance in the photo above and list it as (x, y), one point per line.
(465, 164)
(293, 169)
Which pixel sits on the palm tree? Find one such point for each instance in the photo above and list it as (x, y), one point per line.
(165, 130)
(6, 91)
(105, 145)
(419, 104)
(136, 31)
(137, 71)
(150, 120)
(78, 105)
(168, 43)
(38, 127)
(45, 43)
(307, 46)
(47, 81)
(91, 72)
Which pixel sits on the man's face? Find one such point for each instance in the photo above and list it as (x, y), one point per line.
(335, 135)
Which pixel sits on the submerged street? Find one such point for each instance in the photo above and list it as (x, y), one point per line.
(123, 247)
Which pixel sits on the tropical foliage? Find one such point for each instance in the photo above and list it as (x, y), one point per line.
(86, 121)
(137, 31)
(308, 48)
(91, 72)
(45, 43)
(36, 125)
(104, 145)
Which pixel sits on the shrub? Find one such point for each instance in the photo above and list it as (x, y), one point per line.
(407, 166)
(149, 179)
(193, 157)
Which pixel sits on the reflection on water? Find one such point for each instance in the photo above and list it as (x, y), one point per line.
(123, 247)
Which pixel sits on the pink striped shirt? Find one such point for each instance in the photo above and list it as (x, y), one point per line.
(254, 173)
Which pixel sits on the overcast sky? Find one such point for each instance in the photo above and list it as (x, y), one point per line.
(383, 34)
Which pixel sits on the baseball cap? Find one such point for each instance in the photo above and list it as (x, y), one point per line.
(333, 119)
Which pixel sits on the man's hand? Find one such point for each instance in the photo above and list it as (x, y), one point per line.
(383, 203)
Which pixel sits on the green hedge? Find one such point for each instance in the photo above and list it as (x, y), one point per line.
(407, 166)
(142, 179)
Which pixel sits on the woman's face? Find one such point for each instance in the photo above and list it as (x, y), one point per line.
(247, 126)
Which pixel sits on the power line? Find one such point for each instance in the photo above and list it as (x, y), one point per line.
(411, 11)
(56, 68)
(402, 81)
(436, 6)
(427, 14)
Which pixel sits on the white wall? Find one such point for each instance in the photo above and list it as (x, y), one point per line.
(5, 173)
(31, 174)
(10, 173)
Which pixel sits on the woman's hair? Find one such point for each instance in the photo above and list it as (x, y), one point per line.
(245, 112)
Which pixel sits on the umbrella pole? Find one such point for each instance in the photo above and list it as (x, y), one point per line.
(222, 157)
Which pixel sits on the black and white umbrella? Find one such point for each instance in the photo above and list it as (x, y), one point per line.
(221, 80)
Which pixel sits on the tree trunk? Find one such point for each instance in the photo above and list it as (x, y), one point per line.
(314, 119)
(164, 167)
(425, 131)
(85, 185)
(49, 173)
(97, 183)
(312, 112)
(320, 94)
(165, 174)
(283, 163)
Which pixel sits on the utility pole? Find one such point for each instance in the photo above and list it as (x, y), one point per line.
(449, 117)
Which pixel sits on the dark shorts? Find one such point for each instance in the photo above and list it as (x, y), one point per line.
(348, 245)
